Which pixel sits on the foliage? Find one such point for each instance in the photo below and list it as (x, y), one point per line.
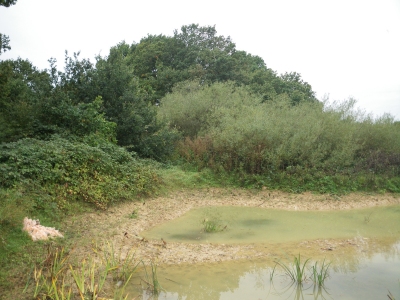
(296, 272)
(73, 171)
(4, 43)
(198, 53)
(128, 104)
(81, 101)
(7, 3)
(212, 223)
(319, 275)
(193, 108)
(327, 147)
(152, 279)
(55, 276)
(23, 87)
(4, 39)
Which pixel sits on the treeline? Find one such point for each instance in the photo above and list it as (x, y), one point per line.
(130, 81)
(190, 98)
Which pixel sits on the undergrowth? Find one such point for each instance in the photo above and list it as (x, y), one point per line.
(54, 180)
(100, 275)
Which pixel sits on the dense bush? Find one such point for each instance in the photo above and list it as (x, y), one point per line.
(228, 129)
(74, 171)
(194, 108)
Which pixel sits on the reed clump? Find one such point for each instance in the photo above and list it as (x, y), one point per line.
(298, 271)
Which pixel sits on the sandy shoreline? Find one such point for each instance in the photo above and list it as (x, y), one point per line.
(116, 226)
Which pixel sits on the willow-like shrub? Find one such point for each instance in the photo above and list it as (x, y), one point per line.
(227, 128)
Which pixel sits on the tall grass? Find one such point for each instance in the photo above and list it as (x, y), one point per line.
(57, 277)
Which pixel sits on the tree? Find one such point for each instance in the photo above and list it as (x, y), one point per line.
(206, 52)
(4, 43)
(4, 39)
(22, 88)
(128, 101)
(77, 80)
(7, 3)
(293, 85)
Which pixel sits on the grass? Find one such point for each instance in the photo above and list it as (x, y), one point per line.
(180, 177)
(57, 277)
(134, 214)
(212, 223)
(18, 253)
(210, 226)
(367, 219)
(297, 271)
(151, 280)
(319, 275)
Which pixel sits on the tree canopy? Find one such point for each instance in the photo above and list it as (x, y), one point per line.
(123, 87)
(4, 39)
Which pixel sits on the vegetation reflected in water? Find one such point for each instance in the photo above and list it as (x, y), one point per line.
(371, 276)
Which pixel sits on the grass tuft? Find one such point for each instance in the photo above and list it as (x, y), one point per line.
(319, 275)
(296, 272)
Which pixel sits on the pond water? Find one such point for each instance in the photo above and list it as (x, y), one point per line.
(258, 225)
(369, 270)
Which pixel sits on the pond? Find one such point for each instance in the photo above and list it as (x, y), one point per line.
(260, 225)
(364, 254)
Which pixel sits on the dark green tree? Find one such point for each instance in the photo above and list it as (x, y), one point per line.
(22, 88)
(128, 103)
(4, 39)
(295, 87)
(7, 3)
(4, 43)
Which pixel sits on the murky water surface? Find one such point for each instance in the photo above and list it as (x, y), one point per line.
(368, 270)
(258, 225)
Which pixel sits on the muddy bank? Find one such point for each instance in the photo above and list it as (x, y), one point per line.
(123, 224)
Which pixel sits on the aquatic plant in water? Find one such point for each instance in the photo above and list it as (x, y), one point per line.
(152, 281)
(319, 275)
(296, 272)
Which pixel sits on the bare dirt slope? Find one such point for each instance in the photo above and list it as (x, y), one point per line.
(117, 226)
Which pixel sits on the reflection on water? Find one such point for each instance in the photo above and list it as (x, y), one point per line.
(369, 269)
(367, 277)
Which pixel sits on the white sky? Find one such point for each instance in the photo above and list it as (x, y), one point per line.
(345, 48)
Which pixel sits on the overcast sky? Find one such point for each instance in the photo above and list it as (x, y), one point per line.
(344, 48)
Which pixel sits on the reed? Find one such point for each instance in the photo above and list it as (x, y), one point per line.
(319, 275)
(296, 272)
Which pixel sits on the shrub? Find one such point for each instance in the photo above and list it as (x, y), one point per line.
(229, 130)
(75, 171)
